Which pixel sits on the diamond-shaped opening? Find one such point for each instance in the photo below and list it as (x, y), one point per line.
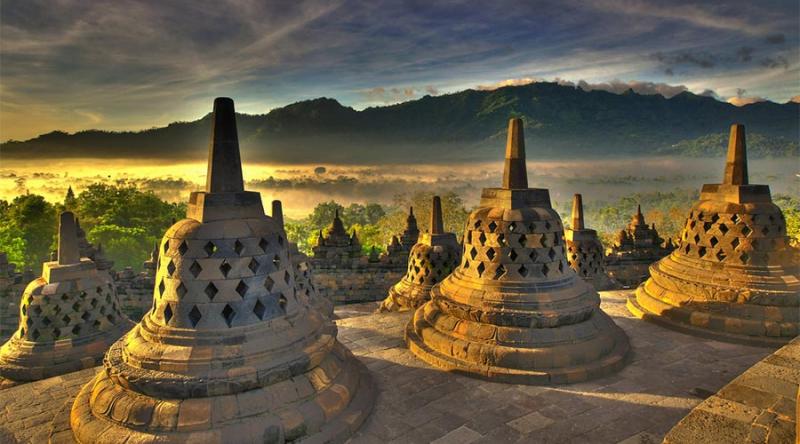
(194, 316)
(263, 244)
(195, 269)
(735, 218)
(490, 253)
(482, 238)
(75, 307)
(735, 242)
(161, 288)
(110, 318)
(492, 226)
(287, 277)
(210, 248)
(721, 255)
(183, 248)
(238, 247)
(181, 290)
(765, 230)
(545, 269)
(171, 268)
(713, 241)
(466, 263)
(707, 226)
(500, 271)
(688, 248)
(723, 228)
(211, 291)
(714, 218)
(512, 226)
(552, 253)
(269, 283)
(746, 230)
(167, 313)
(481, 268)
(228, 314)
(561, 266)
(35, 334)
(94, 302)
(473, 253)
(522, 240)
(547, 225)
(744, 258)
(21, 332)
(259, 309)
(242, 289)
(65, 319)
(225, 268)
(501, 239)
(701, 251)
(46, 321)
(56, 333)
(696, 238)
(692, 224)
(477, 224)
(86, 316)
(282, 301)
(276, 261)
(534, 255)
(103, 309)
(523, 271)
(253, 265)
(166, 247)
(512, 255)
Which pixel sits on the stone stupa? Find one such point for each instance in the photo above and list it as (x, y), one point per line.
(434, 256)
(335, 247)
(68, 317)
(585, 252)
(513, 311)
(634, 248)
(228, 353)
(303, 276)
(400, 246)
(733, 277)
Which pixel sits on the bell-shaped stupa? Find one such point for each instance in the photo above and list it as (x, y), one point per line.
(734, 276)
(303, 276)
(434, 256)
(68, 317)
(585, 252)
(513, 310)
(228, 353)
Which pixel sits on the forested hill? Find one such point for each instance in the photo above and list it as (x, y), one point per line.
(560, 121)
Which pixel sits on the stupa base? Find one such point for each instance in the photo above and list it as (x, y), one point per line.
(325, 404)
(554, 362)
(27, 362)
(404, 297)
(717, 326)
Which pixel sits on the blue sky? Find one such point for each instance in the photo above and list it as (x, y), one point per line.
(75, 65)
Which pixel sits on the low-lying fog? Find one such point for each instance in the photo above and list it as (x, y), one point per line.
(301, 187)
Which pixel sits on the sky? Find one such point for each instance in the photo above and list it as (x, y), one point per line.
(124, 65)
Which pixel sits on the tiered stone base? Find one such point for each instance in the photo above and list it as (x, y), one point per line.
(591, 348)
(405, 296)
(325, 404)
(745, 306)
(24, 361)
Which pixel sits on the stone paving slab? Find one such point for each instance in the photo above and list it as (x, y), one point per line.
(670, 373)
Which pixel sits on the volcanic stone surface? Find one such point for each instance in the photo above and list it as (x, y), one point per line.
(734, 276)
(434, 256)
(585, 252)
(513, 310)
(68, 317)
(229, 352)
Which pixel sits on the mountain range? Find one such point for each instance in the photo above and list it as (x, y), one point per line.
(560, 122)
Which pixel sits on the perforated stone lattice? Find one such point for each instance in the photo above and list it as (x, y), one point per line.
(67, 310)
(206, 284)
(586, 258)
(733, 238)
(428, 265)
(500, 250)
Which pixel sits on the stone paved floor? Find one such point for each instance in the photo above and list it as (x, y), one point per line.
(669, 374)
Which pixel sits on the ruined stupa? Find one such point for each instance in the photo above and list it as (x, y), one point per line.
(68, 317)
(434, 256)
(733, 276)
(400, 246)
(335, 246)
(635, 247)
(514, 311)
(228, 352)
(303, 276)
(585, 252)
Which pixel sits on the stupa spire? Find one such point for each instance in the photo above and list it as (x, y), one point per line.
(437, 226)
(577, 212)
(224, 163)
(736, 164)
(277, 212)
(515, 174)
(68, 252)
